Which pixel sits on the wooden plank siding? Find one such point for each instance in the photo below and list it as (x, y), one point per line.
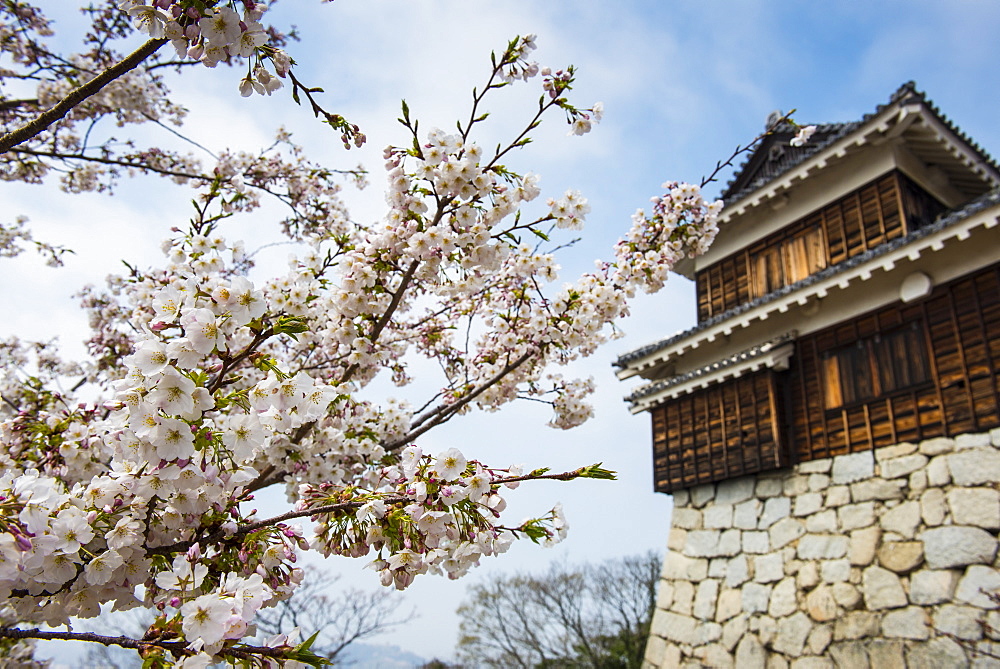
(718, 433)
(905, 372)
(882, 210)
(914, 371)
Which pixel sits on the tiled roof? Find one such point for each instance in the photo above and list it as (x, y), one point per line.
(735, 359)
(946, 220)
(764, 167)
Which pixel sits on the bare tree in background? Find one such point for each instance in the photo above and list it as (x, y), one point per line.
(342, 616)
(591, 615)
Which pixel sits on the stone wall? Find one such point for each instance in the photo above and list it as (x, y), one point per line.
(884, 558)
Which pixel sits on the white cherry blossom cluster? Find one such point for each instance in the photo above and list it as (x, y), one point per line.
(215, 34)
(435, 515)
(216, 386)
(682, 224)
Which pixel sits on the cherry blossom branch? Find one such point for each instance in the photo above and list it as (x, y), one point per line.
(78, 95)
(242, 652)
(444, 412)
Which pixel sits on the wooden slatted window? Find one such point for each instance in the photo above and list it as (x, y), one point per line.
(880, 211)
(875, 366)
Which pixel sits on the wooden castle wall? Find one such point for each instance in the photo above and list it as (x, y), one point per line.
(905, 372)
(721, 432)
(916, 371)
(878, 212)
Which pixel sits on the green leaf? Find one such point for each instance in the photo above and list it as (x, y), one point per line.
(539, 233)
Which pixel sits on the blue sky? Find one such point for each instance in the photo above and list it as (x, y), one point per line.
(683, 83)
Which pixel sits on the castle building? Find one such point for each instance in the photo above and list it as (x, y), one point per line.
(844, 366)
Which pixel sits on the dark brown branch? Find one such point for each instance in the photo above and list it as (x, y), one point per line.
(137, 644)
(445, 411)
(78, 95)
(111, 161)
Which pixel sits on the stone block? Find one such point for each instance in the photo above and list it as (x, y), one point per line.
(995, 436)
(932, 507)
(771, 486)
(932, 586)
(846, 595)
(715, 655)
(776, 661)
(938, 473)
(882, 589)
(939, 652)
(717, 567)
(664, 594)
(674, 627)
(853, 467)
(676, 565)
(904, 466)
(795, 485)
(718, 516)
(737, 571)
(886, 654)
(707, 633)
(730, 543)
(807, 576)
(766, 627)
(856, 625)
(818, 482)
(822, 546)
(821, 466)
(702, 494)
(895, 451)
(686, 518)
(957, 546)
(768, 568)
(734, 491)
(962, 622)
(733, 631)
(785, 531)
(837, 495)
(702, 543)
(705, 598)
(918, 482)
(819, 639)
(808, 503)
(676, 539)
(746, 514)
(683, 597)
(902, 519)
(974, 466)
(854, 516)
(975, 506)
(850, 655)
(812, 662)
(756, 542)
(792, 634)
(937, 446)
(977, 586)
(655, 653)
(901, 557)
(877, 489)
(730, 604)
(821, 604)
(972, 440)
(824, 521)
(750, 654)
(863, 544)
(775, 509)
(835, 571)
(908, 623)
(756, 597)
(783, 599)
(681, 498)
